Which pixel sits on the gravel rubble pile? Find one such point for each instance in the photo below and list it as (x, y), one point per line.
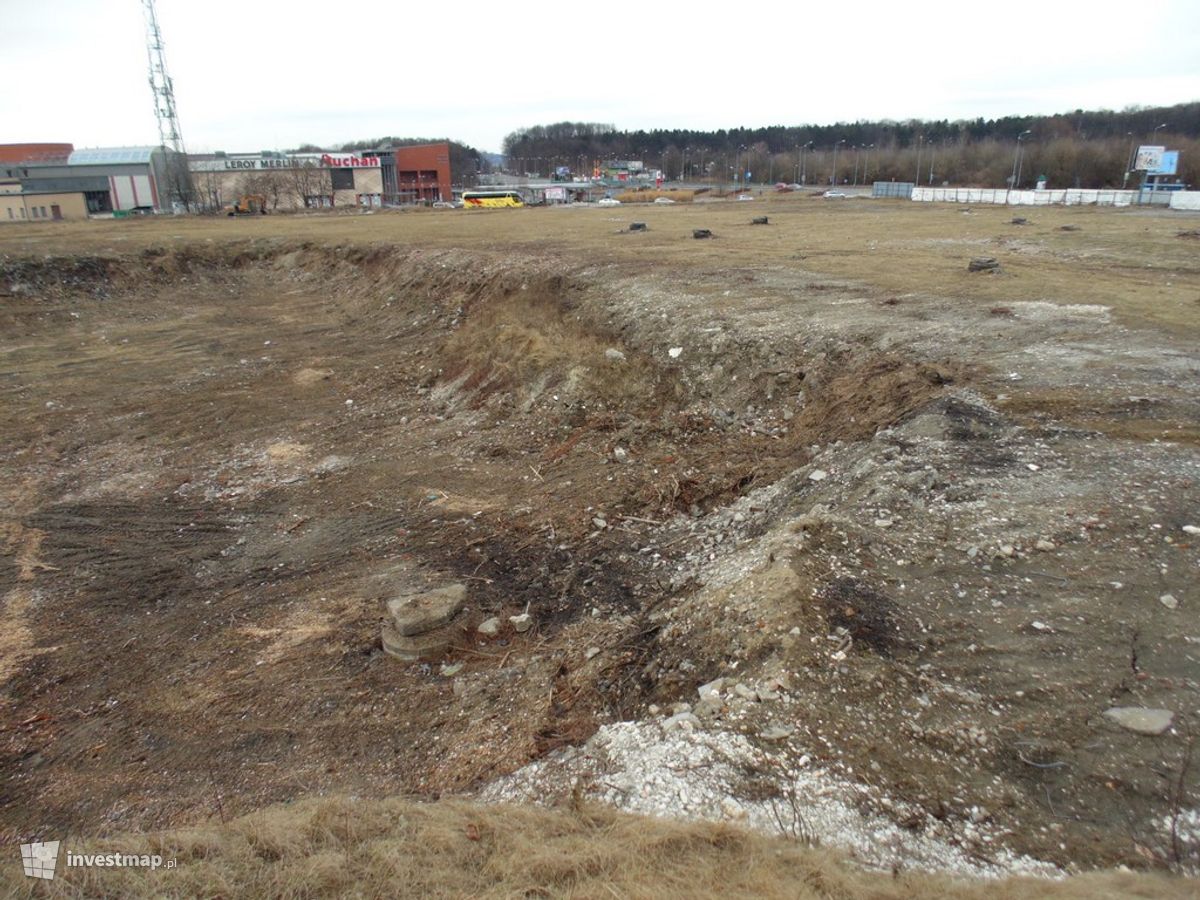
(668, 768)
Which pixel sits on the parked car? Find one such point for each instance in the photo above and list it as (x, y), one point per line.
(442, 204)
(745, 197)
(834, 195)
(663, 201)
(609, 201)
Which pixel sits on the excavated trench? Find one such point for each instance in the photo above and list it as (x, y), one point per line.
(203, 437)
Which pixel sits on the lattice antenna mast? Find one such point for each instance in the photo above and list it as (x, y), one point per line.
(169, 133)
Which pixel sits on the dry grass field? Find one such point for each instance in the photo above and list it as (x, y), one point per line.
(800, 513)
(1132, 260)
(395, 848)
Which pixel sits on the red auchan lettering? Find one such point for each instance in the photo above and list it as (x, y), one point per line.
(349, 162)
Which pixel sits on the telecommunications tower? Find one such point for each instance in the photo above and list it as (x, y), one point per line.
(170, 135)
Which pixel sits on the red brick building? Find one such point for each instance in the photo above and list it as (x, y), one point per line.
(420, 173)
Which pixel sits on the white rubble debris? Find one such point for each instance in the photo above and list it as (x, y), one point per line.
(1184, 826)
(673, 769)
(1141, 719)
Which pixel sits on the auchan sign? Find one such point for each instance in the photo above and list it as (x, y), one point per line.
(349, 162)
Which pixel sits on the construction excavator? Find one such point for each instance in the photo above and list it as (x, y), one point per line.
(248, 205)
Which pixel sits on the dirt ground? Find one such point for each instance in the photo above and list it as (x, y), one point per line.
(930, 522)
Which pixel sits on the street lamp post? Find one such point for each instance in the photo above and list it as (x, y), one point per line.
(833, 172)
(920, 138)
(854, 182)
(1020, 157)
(803, 163)
(866, 160)
(1012, 183)
(1129, 160)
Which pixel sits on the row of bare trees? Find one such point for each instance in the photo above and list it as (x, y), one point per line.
(284, 188)
(1065, 162)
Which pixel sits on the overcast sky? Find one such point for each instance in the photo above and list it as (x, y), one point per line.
(270, 74)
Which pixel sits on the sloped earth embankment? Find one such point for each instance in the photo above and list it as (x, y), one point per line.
(911, 551)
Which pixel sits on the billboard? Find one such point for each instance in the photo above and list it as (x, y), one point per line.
(1148, 158)
(1168, 165)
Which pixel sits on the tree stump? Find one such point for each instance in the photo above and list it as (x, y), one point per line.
(983, 264)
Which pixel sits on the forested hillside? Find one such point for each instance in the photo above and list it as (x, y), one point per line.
(1077, 149)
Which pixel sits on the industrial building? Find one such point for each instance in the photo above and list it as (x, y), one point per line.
(17, 205)
(56, 181)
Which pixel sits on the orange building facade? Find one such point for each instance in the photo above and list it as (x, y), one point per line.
(420, 174)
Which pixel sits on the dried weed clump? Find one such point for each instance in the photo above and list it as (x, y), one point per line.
(339, 847)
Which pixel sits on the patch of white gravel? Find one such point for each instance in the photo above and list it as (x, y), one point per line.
(1182, 831)
(1040, 310)
(672, 770)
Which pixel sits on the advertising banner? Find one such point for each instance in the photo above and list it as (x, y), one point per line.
(1168, 165)
(1148, 158)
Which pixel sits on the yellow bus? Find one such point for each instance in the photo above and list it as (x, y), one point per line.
(491, 199)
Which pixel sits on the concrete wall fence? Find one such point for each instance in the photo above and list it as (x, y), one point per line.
(1185, 200)
(1074, 197)
(1070, 197)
